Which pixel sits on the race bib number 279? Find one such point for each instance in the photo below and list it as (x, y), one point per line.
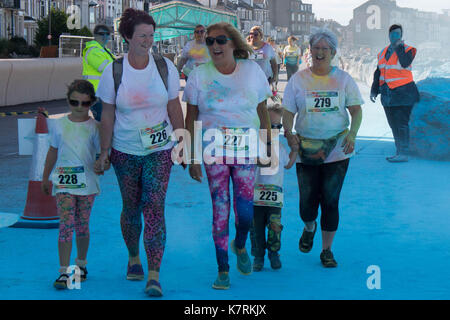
(322, 101)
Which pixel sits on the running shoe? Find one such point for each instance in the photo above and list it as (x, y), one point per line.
(153, 288)
(258, 264)
(244, 265)
(275, 261)
(327, 259)
(306, 241)
(135, 272)
(222, 282)
(61, 282)
(83, 273)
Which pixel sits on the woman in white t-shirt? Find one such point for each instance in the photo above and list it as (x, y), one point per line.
(278, 59)
(228, 95)
(74, 143)
(291, 54)
(321, 96)
(263, 54)
(137, 124)
(194, 52)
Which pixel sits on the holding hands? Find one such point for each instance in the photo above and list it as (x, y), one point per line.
(102, 164)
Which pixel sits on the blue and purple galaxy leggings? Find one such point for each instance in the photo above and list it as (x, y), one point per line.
(243, 179)
(143, 182)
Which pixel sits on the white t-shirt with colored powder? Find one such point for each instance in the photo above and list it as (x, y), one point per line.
(292, 53)
(78, 143)
(262, 57)
(227, 101)
(142, 123)
(269, 182)
(321, 104)
(196, 54)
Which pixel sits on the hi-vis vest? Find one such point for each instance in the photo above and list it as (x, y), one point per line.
(391, 71)
(95, 60)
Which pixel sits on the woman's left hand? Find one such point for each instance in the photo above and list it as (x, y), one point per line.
(349, 143)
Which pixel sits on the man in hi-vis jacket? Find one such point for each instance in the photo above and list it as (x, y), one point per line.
(95, 59)
(393, 79)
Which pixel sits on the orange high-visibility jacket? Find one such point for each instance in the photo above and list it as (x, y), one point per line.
(391, 71)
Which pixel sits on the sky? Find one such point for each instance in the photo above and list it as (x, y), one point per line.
(342, 10)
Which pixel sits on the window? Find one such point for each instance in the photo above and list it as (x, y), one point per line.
(293, 17)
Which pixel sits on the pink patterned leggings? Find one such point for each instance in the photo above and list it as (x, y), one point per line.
(74, 212)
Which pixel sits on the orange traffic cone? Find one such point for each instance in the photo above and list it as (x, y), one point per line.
(40, 209)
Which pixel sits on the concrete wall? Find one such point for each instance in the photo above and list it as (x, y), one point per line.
(34, 80)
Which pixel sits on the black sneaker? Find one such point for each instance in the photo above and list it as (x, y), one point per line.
(61, 282)
(83, 273)
(306, 241)
(275, 261)
(327, 259)
(258, 264)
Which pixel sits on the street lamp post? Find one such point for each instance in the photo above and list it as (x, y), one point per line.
(49, 23)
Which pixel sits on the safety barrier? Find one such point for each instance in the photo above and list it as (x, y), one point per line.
(34, 80)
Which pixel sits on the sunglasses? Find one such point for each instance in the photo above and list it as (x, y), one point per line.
(277, 126)
(255, 34)
(103, 33)
(199, 31)
(76, 103)
(220, 40)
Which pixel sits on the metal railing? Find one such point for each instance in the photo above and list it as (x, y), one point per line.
(72, 46)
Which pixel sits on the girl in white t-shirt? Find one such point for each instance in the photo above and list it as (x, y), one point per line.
(74, 143)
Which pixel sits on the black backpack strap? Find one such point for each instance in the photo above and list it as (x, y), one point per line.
(117, 73)
(161, 65)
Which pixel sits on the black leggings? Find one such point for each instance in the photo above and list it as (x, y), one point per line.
(321, 184)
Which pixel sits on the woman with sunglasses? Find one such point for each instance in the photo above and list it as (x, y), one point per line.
(228, 94)
(263, 54)
(137, 123)
(321, 96)
(74, 142)
(194, 52)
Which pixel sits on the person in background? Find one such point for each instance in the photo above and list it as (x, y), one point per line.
(278, 58)
(194, 52)
(291, 54)
(393, 79)
(263, 54)
(96, 57)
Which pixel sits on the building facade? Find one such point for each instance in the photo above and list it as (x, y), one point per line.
(292, 16)
(11, 19)
(372, 19)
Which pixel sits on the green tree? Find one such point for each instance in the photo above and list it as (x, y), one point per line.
(85, 32)
(58, 26)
